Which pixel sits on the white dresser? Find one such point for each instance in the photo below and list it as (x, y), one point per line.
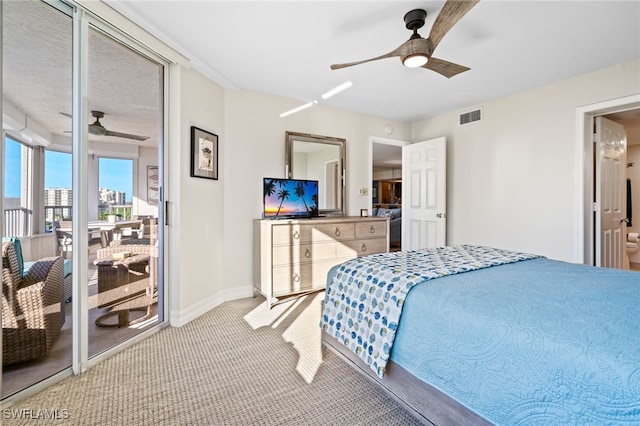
(292, 257)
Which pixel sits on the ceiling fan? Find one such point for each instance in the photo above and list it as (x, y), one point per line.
(96, 128)
(417, 51)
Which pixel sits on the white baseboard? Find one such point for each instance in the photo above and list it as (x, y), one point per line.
(183, 316)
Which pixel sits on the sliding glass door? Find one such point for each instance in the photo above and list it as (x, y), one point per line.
(125, 114)
(37, 47)
(84, 118)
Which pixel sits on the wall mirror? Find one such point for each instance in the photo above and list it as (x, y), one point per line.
(320, 158)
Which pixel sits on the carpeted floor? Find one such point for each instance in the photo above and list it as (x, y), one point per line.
(239, 364)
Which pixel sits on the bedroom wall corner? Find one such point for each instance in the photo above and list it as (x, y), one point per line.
(512, 178)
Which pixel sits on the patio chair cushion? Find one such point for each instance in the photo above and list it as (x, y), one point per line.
(18, 249)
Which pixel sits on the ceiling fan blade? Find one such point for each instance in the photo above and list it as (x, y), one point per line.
(97, 129)
(451, 13)
(126, 135)
(446, 68)
(393, 53)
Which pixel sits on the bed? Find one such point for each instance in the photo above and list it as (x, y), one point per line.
(476, 335)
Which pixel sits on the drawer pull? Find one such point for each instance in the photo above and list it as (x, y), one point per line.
(307, 253)
(296, 278)
(296, 235)
(363, 248)
(372, 229)
(337, 233)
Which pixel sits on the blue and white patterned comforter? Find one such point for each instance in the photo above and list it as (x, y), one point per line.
(539, 342)
(523, 343)
(364, 296)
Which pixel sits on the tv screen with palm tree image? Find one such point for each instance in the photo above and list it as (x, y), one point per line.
(286, 198)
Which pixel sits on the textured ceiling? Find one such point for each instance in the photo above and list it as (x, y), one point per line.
(37, 73)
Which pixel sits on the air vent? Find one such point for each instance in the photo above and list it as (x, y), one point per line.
(471, 117)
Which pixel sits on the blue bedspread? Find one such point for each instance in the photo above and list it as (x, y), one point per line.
(533, 342)
(364, 296)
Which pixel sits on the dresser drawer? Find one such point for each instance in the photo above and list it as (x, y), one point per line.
(291, 234)
(293, 257)
(362, 247)
(371, 229)
(334, 231)
(303, 253)
(300, 277)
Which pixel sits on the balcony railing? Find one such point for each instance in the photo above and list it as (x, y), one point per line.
(17, 221)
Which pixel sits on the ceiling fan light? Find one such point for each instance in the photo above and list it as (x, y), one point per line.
(414, 61)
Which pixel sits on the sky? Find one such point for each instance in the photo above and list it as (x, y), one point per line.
(114, 174)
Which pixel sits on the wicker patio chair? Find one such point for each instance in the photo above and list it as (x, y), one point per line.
(31, 307)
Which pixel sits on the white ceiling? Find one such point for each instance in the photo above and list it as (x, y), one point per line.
(285, 48)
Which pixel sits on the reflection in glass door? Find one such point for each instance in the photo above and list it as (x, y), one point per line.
(125, 103)
(37, 74)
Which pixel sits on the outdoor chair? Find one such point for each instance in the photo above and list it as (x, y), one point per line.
(32, 307)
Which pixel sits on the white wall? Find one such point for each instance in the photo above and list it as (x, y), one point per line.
(196, 237)
(254, 148)
(512, 178)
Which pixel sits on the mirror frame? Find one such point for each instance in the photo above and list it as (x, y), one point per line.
(291, 137)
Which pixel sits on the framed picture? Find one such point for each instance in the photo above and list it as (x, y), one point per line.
(204, 154)
(152, 185)
(364, 212)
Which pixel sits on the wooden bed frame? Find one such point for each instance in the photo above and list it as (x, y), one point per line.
(426, 403)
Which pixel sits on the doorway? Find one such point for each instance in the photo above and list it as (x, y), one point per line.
(617, 110)
(629, 120)
(385, 180)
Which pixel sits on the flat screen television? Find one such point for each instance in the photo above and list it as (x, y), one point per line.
(286, 198)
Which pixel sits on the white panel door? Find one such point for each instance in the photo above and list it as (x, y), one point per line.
(424, 198)
(610, 207)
